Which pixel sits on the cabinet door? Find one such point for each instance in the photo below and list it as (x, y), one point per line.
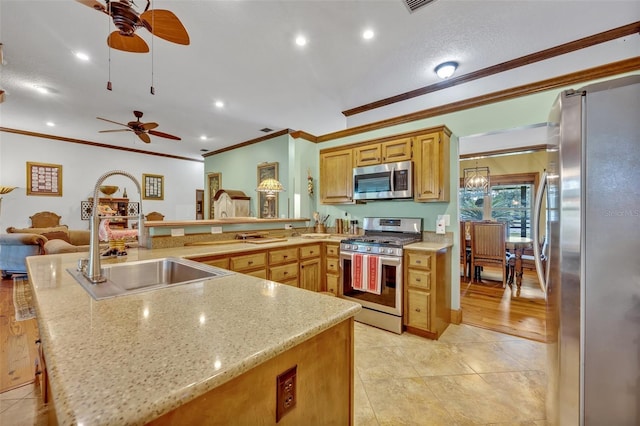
(368, 155)
(310, 274)
(332, 283)
(396, 150)
(336, 177)
(432, 167)
(418, 314)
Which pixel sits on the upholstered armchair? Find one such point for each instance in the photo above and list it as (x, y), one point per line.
(14, 248)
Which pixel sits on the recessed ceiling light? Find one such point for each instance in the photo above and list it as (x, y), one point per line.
(219, 104)
(446, 69)
(368, 34)
(301, 40)
(82, 56)
(51, 123)
(203, 137)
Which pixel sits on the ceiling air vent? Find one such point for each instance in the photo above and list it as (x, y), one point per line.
(414, 5)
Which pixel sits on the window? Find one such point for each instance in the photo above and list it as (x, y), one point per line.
(511, 199)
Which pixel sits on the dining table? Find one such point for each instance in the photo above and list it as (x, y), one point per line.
(516, 245)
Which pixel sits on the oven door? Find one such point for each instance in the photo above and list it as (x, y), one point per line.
(390, 298)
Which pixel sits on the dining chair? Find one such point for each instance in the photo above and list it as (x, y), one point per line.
(488, 248)
(465, 250)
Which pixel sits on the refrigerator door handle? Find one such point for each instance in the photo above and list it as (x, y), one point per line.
(536, 233)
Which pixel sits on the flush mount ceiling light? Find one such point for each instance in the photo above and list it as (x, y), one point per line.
(446, 69)
(368, 34)
(301, 40)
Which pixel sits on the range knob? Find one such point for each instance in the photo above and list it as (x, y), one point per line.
(368, 248)
(355, 247)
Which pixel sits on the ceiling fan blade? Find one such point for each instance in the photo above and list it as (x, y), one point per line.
(166, 25)
(144, 137)
(133, 43)
(111, 121)
(164, 135)
(149, 126)
(117, 130)
(94, 5)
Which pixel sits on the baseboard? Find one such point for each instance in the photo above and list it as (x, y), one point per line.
(456, 316)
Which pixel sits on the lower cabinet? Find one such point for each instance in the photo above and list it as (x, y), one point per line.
(310, 267)
(427, 294)
(332, 267)
(283, 266)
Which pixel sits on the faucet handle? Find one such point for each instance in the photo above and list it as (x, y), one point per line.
(82, 264)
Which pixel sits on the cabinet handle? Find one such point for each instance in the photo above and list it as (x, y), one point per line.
(417, 309)
(285, 272)
(417, 280)
(250, 262)
(285, 256)
(418, 262)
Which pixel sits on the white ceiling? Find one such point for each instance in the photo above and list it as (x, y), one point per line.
(242, 52)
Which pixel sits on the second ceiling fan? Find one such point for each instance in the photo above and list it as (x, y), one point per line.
(142, 130)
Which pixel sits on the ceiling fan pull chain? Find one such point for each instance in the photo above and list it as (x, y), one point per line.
(109, 48)
(153, 15)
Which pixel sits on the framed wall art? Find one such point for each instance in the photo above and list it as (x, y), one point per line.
(44, 179)
(152, 187)
(266, 209)
(214, 183)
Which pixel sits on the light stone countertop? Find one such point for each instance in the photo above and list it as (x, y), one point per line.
(130, 359)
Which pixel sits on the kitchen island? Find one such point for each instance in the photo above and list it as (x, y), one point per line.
(207, 352)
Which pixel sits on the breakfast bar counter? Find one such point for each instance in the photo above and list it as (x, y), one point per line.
(139, 358)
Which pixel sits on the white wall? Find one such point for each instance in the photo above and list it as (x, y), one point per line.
(81, 167)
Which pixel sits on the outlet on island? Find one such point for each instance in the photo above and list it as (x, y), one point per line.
(286, 392)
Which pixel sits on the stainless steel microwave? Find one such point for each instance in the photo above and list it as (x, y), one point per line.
(383, 181)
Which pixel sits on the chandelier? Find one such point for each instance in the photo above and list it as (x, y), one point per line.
(477, 179)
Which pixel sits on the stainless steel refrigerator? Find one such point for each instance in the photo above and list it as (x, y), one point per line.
(592, 278)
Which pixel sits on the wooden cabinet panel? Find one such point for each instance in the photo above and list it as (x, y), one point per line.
(248, 262)
(332, 283)
(332, 267)
(283, 272)
(419, 279)
(368, 155)
(431, 162)
(310, 251)
(418, 310)
(336, 177)
(396, 150)
(258, 273)
(221, 262)
(420, 260)
(427, 292)
(310, 274)
(283, 256)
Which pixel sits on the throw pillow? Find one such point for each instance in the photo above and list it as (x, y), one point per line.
(57, 235)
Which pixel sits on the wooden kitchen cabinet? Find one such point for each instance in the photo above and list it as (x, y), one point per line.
(332, 267)
(336, 176)
(384, 152)
(431, 166)
(310, 267)
(427, 295)
(283, 266)
(254, 264)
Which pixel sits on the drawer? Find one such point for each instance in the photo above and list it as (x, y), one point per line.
(332, 250)
(249, 261)
(283, 256)
(223, 262)
(309, 251)
(420, 260)
(283, 272)
(333, 265)
(292, 282)
(332, 284)
(419, 278)
(260, 273)
(418, 309)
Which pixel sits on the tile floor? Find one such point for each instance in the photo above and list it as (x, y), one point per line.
(471, 376)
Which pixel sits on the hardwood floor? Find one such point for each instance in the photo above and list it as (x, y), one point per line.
(519, 313)
(18, 350)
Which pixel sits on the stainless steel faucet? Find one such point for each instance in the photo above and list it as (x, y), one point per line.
(92, 271)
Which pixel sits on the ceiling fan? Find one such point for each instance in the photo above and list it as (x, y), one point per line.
(161, 23)
(142, 130)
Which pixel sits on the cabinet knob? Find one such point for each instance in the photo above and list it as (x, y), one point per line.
(250, 262)
(417, 309)
(418, 280)
(285, 272)
(285, 256)
(418, 262)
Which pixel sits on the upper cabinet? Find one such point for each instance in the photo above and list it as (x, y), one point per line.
(385, 152)
(336, 176)
(431, 166)
(427, 148)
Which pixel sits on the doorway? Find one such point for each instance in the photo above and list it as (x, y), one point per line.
(513, 183)
(199, 204)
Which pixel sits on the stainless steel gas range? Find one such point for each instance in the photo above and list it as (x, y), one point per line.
(371, 269)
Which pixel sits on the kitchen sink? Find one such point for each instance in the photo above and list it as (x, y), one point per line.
(146, 275)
